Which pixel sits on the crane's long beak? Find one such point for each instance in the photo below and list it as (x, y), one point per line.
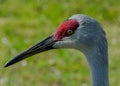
(44, 45)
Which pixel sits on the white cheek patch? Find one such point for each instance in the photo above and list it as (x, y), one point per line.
(58, 44)
(64, 44)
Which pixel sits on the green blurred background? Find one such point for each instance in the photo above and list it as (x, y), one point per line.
(23, 23)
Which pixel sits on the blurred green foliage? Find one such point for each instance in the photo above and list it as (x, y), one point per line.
(26, 22)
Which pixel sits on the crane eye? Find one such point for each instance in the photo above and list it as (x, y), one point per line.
(69, 32)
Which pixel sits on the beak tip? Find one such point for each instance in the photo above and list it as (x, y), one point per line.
(6, 65)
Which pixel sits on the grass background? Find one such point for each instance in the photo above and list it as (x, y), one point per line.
(25, 22)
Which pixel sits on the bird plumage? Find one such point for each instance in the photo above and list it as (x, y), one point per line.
(84, 34)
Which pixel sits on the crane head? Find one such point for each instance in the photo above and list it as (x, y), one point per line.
(78, 32)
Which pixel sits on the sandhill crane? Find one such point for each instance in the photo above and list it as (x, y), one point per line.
(84, 34)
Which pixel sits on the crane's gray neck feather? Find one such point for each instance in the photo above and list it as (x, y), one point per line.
(97, 57)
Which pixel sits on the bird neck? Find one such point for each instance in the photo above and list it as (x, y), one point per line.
(97, 58)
